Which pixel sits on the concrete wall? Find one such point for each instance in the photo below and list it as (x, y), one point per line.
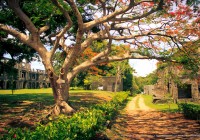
(108, 84)
(149, 89)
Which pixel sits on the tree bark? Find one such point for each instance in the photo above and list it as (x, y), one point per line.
(117, 78)
(60, 88)
(61, 96)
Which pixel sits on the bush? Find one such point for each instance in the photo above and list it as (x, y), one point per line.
(82, 125)
(190, 111)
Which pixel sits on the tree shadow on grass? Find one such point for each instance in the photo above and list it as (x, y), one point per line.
(26, 110)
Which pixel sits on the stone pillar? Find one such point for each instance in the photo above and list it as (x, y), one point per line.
(195, 90)
(174, 91)
(19, 74)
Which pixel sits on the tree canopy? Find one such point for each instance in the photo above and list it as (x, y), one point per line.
(153, 29)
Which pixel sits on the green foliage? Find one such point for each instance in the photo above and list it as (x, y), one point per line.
(128, 79)
(91, 79)
(139, 82)
(190, 111)
(189, 63)
(82, 125)
(166, 107)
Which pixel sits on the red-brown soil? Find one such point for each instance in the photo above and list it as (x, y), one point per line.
(139, 122)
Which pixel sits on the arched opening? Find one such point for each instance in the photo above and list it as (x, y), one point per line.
(185, 91)
(37, 85)
(1, 85)
(33, 85)
(24, 84)
(44, 85)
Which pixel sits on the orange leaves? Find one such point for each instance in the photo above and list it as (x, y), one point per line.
(122, 49)
(97, 2)
(179, 67)
(94, 70)
(147, 4)
(172, 32)
(88, 53)
(182, 11)
(123, 1)
(163, 39)
(175, 31)
(172, 13)
(197, 20)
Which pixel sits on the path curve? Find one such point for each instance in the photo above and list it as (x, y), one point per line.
(139, 122)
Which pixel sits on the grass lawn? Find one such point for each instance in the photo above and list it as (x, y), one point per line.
(171, 107)
(26, 107)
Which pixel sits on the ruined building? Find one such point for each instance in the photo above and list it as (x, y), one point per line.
(175, 81)
(108, 83)
(26, 78)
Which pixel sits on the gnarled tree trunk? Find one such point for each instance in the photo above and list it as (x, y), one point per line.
(61, 96)
(60, 88)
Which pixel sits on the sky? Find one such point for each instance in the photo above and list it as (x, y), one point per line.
(143, 67)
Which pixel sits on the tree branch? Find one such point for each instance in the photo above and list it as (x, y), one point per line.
(153, 10)
(91, 24)
(43, 29)
(64, 30)
(85, 65)
(14, 5)
(22, 37)
(77, 13)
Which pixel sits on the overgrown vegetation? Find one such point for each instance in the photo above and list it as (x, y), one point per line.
(140, 82)
(81, 125)
(190, 111)
(169, 107)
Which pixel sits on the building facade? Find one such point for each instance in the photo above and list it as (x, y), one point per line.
(108, 83)
(26, 78)
(178, 85)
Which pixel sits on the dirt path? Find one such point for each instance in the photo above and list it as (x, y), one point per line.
(139, 122)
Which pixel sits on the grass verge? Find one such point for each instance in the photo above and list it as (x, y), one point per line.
(171, 107)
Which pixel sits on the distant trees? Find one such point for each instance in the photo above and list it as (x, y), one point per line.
(139, 82)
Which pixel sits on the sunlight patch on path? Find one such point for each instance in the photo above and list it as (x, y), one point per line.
(139, 122)
(137, 104)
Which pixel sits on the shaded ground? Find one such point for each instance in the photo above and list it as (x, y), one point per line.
(140, 122)
(26, 110)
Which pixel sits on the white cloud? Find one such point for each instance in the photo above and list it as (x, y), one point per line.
(37, 65)
(143, 67)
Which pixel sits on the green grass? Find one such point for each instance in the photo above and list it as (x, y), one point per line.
(49, 90)
(23, 91)
(171, 107)
(34, 104)
(77, 97)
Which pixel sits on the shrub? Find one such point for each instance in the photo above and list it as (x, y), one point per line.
(82, 125)
(190, 111)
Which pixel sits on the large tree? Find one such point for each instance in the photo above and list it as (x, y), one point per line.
(147, 27)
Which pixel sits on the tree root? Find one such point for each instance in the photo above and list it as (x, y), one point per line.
(57, 109)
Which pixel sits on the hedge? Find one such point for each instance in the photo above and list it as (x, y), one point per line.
(190, 111)
(81, 125)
